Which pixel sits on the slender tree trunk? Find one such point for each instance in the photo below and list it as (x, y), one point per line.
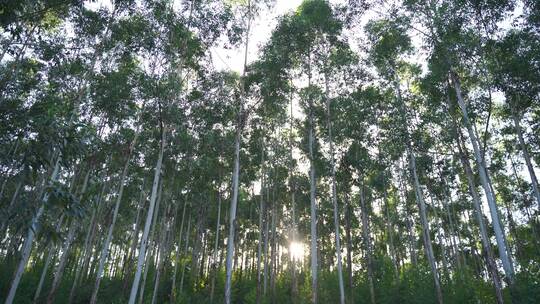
(390, 229)
(163, 250)
(312, 190)
(367, 242)
(27, 246)
(177, 256)
(484, 179)
(66, 248)
(273, 269)
(232, 214)
(87, 246)
(349, 246)
(334, 194)
(419, 197)
(50, 255)
(214, 258)
(409, 221)
(134, 240)
(261, 227)
(150, 259)
(105, 251)
(185, 251)
(425, 227)
(526, 156)
(236, 172)
(266, 241)
(486, 245)
(149, 216)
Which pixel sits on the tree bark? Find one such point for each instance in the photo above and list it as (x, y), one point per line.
(261, 227)
(66, 248)
(149, 216)
(214, 256)
(27, 246)
(334, 194)
(419, 196)
(367, 242)
(484, 179)
(349, 246)
(525, 151)
(105, 250)
(177, 256)
(486, 245)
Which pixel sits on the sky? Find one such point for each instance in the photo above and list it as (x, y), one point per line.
(261, 30)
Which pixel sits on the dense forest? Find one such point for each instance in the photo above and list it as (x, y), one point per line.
(371, 151)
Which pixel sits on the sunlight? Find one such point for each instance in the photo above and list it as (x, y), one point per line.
(297, 251)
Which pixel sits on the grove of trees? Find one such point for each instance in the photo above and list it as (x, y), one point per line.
(369, 151)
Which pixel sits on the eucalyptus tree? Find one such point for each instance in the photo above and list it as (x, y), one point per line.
(515, 73)
(68, 78)
(450, 42)
(385, 54)
(121, 104)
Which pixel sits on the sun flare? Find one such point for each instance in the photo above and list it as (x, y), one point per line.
(297, 251)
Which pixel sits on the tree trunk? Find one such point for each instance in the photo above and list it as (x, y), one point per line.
(50, 255)
(526, 156)
(149, 216)
(87, 246)
(236, 172)
(419, 196)
(486, 245)
(163, 250)
(390, 229)
(105, 250)
(232, 213)
(185, 251)
(334, 194)
(484, 178)
(65, 250)
(177, 256)
(134, 240)
(153, 248)
(367, 242)
(27, 246)
(312, 196)
(349, 246)
(265, 249)
(261, 227)
(216, 244)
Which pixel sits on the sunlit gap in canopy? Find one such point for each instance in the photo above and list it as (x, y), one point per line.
(297, 251)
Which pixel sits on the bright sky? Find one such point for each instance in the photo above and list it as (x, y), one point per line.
(260, 34)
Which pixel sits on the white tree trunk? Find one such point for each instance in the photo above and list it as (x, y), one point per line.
(486, 245)
(236, 172)
(526, 156)
(484, 179)
(232, 217)
(87, 247)
(27, 246)
(214, 258)
(367, 243)
(334, 195)
(105, 250)
(149, 216)
(66, 248)
(313, 205)
(177, 256)
(419, 196)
